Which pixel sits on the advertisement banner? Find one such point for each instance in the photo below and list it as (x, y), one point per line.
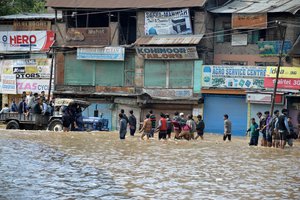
(26, 40)
(27, 68)
(167, 53)
(249, 21)
(33, 85)
(273, 48)
(285, 72)
(283, 83)
(106, 53)
(168, 22)
(9, 83)
(220, 76)
(88, 36)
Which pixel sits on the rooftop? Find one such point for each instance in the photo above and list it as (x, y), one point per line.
(31, 16)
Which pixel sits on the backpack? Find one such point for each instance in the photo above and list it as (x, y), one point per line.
(272, 125)
(186, 127)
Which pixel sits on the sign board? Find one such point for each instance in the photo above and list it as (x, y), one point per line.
(88, 36)
(264, 98)
(31, 25)
(26, 40)
(167, 53)
(223, 76)
(239, 40)
(285, 72)
(168, 22)
(249, 21)
(179, 93)
(283, 83)
(27, 68)
(106, 53)
(273, 48)
(33, 85)
(9, 83)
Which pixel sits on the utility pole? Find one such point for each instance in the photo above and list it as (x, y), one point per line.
(282, 31)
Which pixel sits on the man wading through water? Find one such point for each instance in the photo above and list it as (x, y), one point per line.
(227, 128)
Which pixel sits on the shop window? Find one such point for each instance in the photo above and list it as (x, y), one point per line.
(224, 34)
(266, 63)
(231, 62)
(255, 36)
(273, 34)
(82, 19)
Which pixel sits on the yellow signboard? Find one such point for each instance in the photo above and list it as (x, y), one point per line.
(285, 72)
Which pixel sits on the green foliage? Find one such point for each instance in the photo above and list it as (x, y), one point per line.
(9, 7)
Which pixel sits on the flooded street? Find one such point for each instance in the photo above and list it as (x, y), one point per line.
(97, 165)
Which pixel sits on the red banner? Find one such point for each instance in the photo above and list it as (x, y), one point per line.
(283, 83)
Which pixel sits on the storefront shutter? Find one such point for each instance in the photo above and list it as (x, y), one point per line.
(155, 73)
(109, 73)
(78, 72)
(181, 74)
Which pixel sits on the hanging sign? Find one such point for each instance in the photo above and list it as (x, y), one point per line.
(26, 40)
(168, 22)
(106, 53)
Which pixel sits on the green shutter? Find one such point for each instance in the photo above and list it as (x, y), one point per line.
(220, 36)
(109, 73)
(155, 73)
(78, 72)
(129, 70)
(181, 74)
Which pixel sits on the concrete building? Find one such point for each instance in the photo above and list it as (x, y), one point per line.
(25, 61)
(141, 55)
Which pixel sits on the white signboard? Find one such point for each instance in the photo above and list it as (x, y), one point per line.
(106, 53)
(26, 40)
(33, 85)
(168, 22)
(27, 68)
(239, 40)
(8, 83)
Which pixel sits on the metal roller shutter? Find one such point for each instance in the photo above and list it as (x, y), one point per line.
(215, 106)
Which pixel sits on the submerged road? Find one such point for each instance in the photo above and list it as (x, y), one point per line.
(97, 165)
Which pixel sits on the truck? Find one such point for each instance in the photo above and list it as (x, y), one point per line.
(32, 121)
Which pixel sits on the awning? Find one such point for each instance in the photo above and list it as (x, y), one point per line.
(261, 6)
(31, 16)
(116, 4)
(168, 40)
(295, 51)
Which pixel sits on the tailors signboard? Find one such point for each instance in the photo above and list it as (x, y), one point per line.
(168, 22)
(106, 53)
(225, 76)
(88, 36)
(26, 40)
(249, 21)
(167, 53)
(289, 78)
(31, 25)
(27, 68)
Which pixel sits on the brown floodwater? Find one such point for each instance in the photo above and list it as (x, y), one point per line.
(97, 165)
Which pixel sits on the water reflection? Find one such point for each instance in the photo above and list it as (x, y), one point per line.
(45, 165)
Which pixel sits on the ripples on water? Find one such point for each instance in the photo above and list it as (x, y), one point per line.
(44, 165)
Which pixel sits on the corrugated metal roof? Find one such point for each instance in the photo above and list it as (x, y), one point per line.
(168, 39)
(31, 16)
(112, 4)
(295, 51)
(259, 6)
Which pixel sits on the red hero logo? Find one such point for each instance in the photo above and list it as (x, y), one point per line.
(22, 39)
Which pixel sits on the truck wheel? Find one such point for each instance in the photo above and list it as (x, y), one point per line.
(55, 125)
(13, 124)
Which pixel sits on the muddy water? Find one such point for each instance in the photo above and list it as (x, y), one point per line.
(45, 165)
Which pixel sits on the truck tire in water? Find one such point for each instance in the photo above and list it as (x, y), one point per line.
(13, 124)
(56, 125)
